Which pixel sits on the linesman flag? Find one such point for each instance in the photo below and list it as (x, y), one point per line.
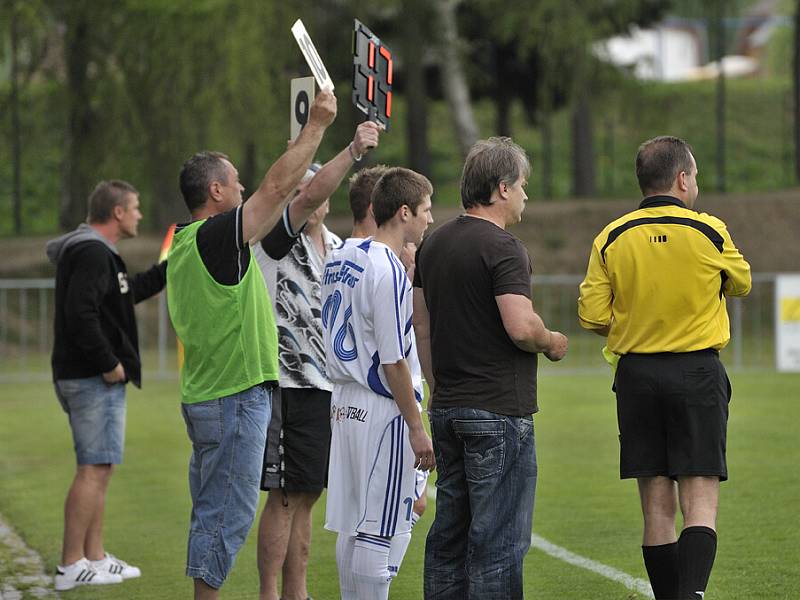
(162, 256)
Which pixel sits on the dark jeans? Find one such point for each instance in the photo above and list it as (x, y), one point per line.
(486, 465)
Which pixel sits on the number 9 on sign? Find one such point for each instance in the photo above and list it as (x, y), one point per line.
(301, 95)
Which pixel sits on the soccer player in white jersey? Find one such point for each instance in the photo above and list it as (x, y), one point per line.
(377, 435)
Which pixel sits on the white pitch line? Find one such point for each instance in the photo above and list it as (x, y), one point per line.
(632, 583)
(26, 568)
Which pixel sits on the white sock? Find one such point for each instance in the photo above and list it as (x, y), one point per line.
(399, 546)
(344, 563)
(371, 566)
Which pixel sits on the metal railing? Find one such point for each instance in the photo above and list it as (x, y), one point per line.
(752, 345)
(26, 328)
(26, 332)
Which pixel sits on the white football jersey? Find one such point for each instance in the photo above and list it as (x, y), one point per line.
(367, 316)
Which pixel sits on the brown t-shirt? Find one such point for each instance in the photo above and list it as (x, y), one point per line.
(461, 267)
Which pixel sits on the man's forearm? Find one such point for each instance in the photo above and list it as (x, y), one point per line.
(538, 338)
(320, 188)
(149, 283)
(422, 333)
(268, 202)
(398, 377)
(426, 361)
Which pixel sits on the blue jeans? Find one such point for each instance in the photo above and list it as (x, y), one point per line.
(486, 465)
(228, 436)
(96, 411)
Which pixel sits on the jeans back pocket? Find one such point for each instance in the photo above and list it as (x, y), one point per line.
(484, 447)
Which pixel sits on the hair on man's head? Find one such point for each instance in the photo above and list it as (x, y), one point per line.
(659, 161)
(396, 187)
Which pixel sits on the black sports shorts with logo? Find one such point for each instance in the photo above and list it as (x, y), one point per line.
(298, 441)
(672, 411)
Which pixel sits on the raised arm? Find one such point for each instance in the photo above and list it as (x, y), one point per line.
(328, 178)
(526, 329)
(263, 209)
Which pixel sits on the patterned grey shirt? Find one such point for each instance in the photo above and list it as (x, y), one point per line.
(293, 283)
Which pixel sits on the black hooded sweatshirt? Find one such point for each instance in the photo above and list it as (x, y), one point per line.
(95, 325)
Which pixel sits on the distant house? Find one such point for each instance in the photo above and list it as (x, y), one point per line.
(677, 49)
(667, 52)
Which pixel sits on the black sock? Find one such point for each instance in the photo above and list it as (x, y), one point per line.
(661, 563)
(697, 547)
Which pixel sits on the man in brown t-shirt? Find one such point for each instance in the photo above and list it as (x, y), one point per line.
(478, 338)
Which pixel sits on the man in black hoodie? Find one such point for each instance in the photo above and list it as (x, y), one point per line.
(95, 353)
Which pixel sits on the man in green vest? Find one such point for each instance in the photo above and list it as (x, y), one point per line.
(222, 315)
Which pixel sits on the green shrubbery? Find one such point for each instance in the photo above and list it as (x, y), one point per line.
(758, 148)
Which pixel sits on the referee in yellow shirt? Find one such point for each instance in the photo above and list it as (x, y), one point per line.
(656, 286)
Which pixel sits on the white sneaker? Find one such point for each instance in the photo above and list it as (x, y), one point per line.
(111, 564)
(82, 573)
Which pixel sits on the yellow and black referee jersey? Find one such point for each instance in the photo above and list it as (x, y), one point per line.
(658, 276)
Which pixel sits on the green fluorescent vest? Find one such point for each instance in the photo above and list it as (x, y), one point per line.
(228, 331)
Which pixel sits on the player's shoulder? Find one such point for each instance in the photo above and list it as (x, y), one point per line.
(383, 261)
(90, 251)
(331, 239)
(711, 220)
(630, 218)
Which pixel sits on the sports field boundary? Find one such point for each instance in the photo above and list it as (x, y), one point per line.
(634, 584)
(21, 568)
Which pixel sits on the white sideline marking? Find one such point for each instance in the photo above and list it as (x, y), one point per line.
(28, 572)
(632, 583)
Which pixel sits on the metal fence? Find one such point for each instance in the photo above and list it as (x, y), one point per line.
(752, 345)
(26, 332)
(26, 329)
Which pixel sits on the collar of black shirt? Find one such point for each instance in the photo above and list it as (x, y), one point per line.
(653, 201)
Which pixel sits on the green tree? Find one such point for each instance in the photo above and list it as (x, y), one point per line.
(542, 55)
(87, 28)
(796, 82)
(28, 44)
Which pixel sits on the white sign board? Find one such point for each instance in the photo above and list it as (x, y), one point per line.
(787, 322)
(300, 102)
(311, 55)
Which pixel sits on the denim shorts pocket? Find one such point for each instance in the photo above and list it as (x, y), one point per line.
(484, 447)
(205, 420)
(70, 387)
(252, 422)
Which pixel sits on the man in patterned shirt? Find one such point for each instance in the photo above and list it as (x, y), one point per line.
(292, 257)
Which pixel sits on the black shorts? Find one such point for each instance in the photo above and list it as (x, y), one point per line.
(672, 411)
(298, 441)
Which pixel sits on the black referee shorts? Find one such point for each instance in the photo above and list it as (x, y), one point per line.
(298, 441)
(672, 410)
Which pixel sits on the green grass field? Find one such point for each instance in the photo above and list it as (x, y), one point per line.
(580, 504)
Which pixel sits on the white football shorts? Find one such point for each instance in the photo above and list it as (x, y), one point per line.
(372, 482)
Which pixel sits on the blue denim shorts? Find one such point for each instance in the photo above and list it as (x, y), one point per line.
(96, 413)
(228, 436)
